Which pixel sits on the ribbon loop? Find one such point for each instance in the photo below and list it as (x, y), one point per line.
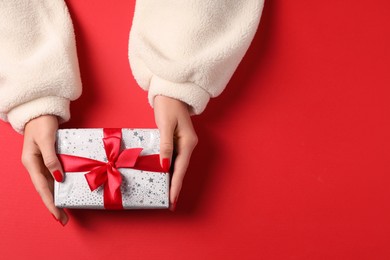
(96, 177)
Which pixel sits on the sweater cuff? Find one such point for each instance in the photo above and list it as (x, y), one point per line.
(187, 92)
(21, 115)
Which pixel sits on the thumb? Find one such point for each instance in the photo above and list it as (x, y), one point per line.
(166, 146)
(50, 159)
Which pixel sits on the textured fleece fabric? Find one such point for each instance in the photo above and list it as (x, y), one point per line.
(184, 49)
(39, 71)
(189, 49)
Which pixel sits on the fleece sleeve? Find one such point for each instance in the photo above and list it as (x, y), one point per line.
(189, 49)
(39, 72)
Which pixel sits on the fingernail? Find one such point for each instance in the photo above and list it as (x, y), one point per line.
(58, 220)
(166, 164)
(173, 208)
(57, 176)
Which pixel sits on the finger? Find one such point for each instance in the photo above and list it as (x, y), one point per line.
(36, 169)
(50, 159)
(42, 186)
(166, 145)
(185, 149)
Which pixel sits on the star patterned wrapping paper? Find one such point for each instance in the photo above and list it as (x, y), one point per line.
(140, 189)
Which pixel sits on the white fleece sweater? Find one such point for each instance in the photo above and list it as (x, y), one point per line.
(184, 49)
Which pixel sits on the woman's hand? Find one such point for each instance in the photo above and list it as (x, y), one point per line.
(40, 159)
(176, 131)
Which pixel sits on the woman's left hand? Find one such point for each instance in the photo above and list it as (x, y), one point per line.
(176, 133)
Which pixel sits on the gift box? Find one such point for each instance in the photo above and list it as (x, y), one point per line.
(111, 169)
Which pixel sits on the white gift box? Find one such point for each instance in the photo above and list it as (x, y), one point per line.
(140, 189)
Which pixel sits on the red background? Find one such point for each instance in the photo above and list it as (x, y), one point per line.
(293, 158)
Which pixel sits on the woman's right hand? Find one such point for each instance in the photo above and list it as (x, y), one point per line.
(40, 159)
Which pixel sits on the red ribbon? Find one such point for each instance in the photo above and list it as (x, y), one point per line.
(106, 173)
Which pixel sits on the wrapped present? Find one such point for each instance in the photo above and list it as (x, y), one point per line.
(111, 168)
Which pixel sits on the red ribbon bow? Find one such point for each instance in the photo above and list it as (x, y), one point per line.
(106, 173)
